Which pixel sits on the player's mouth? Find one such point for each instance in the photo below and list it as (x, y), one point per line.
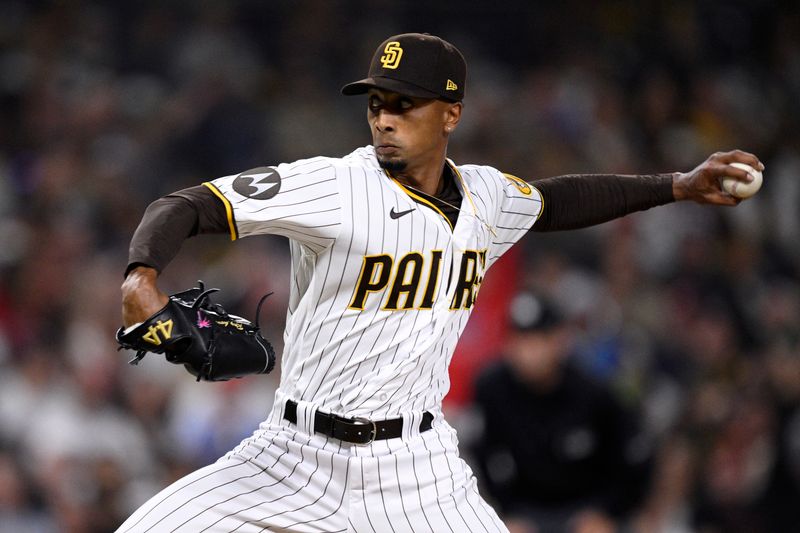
(386, 149)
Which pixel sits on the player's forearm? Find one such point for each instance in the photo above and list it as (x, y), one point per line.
(579, 201)
(169, 221)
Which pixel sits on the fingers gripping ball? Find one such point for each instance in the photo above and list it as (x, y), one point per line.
(743, 189)
(212, 344)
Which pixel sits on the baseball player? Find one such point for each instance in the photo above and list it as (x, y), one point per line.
(389, 246)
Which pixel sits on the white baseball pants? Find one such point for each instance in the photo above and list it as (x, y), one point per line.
(285, 478)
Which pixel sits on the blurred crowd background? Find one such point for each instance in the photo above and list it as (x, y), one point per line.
(689, 315)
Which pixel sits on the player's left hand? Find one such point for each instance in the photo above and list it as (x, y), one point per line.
(212, 344)
(702, 184)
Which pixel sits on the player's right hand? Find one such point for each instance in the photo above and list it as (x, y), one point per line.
(141, 297)
(702, 184)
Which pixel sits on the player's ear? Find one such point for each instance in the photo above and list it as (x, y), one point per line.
(452, 114)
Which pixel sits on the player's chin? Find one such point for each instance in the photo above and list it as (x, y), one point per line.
(392, 164)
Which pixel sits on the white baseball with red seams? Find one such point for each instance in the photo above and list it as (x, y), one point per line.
(743, 189)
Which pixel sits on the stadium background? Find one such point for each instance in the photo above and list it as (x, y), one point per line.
(692, 314)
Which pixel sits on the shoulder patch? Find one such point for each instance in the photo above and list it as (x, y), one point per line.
(520, 184)
(260, 183)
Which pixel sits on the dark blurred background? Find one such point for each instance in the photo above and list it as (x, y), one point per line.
(690, 315)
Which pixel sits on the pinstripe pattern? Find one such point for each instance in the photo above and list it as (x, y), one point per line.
(365, 361)
(373, 362)
(286, 480)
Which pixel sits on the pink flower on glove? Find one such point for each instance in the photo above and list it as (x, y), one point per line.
(202, 322)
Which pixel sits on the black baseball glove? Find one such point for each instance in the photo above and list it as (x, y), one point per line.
(212, 344)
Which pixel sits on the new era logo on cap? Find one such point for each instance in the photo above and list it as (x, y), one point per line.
(415, 64)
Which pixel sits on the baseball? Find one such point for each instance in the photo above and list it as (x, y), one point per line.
(743, 189)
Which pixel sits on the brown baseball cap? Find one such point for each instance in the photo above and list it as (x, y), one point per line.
(415, 64)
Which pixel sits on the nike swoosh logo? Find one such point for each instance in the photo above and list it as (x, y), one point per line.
(398, 214)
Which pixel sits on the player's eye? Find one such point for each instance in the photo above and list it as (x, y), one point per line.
(374, 103)
(406, 103)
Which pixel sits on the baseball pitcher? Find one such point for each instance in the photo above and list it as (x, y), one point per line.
(389, 246)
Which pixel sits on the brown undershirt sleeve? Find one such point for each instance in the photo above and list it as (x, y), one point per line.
(170, 220)
(578, 201)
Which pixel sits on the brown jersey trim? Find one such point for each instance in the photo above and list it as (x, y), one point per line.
(228, 209)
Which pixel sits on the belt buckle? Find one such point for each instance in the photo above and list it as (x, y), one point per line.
(372, 434)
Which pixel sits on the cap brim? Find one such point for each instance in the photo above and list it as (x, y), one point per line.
(388, 84)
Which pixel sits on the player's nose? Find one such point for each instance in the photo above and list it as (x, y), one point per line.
(384, 121)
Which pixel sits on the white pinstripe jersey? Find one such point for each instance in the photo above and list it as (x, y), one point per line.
(382, 285)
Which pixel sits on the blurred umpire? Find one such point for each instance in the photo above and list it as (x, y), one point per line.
(558, 452)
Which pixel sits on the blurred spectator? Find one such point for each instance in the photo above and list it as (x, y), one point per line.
(558, 452)
(20, 509)
(667, 507)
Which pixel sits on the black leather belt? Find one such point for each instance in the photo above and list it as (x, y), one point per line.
(355, 430)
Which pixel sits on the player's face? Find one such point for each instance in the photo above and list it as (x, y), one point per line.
(409, 131)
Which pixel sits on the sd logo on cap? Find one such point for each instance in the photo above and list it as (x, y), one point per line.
(415, 64)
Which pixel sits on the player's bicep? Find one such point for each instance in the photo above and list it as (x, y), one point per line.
(213, 214)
